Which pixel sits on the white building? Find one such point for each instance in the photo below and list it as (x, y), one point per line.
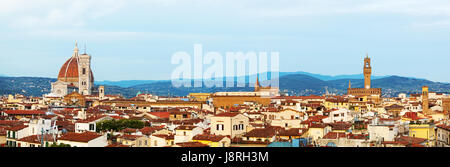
(338, 115)
(185, 133)
(86, 139)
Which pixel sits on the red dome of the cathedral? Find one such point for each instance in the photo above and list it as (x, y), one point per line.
(69, 71)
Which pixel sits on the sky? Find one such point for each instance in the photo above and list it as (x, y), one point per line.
(135, 39)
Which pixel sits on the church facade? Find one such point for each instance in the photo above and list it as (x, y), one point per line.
(367, 90)
(74, 76)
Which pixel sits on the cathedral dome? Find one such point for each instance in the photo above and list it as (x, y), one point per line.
(69, 71)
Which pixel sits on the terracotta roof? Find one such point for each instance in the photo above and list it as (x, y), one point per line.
(340, 126)
(334, 135)
(130, 137)
(80, 137)
(10, 123)
(227, 114)
(266, 132)
(299, 97)
(16, 128)
(412, 116)
(393, 107)
(91, 119)
(129, 130)
(160, 114)
(290, 132)
(36, 138)
(317, 126)
(206, 137)
(117, 145)
(149, 130)
(192, 144)
(443, 126)
(407, 141)
(24, 112)
(185, 127)
(167, 137)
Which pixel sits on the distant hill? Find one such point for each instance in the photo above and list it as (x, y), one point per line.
(126, 83)
(330, 77)
(291, 83)
(30, 86)
(246, 78)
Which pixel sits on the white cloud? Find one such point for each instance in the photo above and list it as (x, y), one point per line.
(55, 13)
(65, 15)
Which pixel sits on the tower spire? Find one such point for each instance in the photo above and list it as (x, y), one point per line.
(257, 83)
(75, 50)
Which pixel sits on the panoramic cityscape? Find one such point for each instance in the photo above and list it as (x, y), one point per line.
(77, 113)
(224, 73)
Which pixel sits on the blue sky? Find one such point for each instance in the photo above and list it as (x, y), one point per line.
(135, 39)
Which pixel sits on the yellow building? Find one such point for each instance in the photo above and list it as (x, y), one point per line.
(317, 131)
(129, 140)
(203, 97)
(332, 103)
(425, 131)
(213, 140)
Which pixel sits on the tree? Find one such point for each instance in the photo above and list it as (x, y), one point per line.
(60, 145)
(109, 125)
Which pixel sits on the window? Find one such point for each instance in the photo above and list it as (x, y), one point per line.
(84, 71)
(91, 127)
(219, 127)
(155, 143)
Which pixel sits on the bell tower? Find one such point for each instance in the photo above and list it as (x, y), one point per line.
(425, 104)
(367, 72)
(86, 81)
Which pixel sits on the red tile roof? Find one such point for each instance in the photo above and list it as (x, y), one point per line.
(16, 128)
(80, 137)
(206, 137)
(117, 145)
(160, 114)
(192, 144)
(167, 137)
(266, 132)
(36, 139)
(185, 127)
(227, 114)
(334, 135)
(24, 112)
(149, 130)
(91, 119)
(130, 137)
